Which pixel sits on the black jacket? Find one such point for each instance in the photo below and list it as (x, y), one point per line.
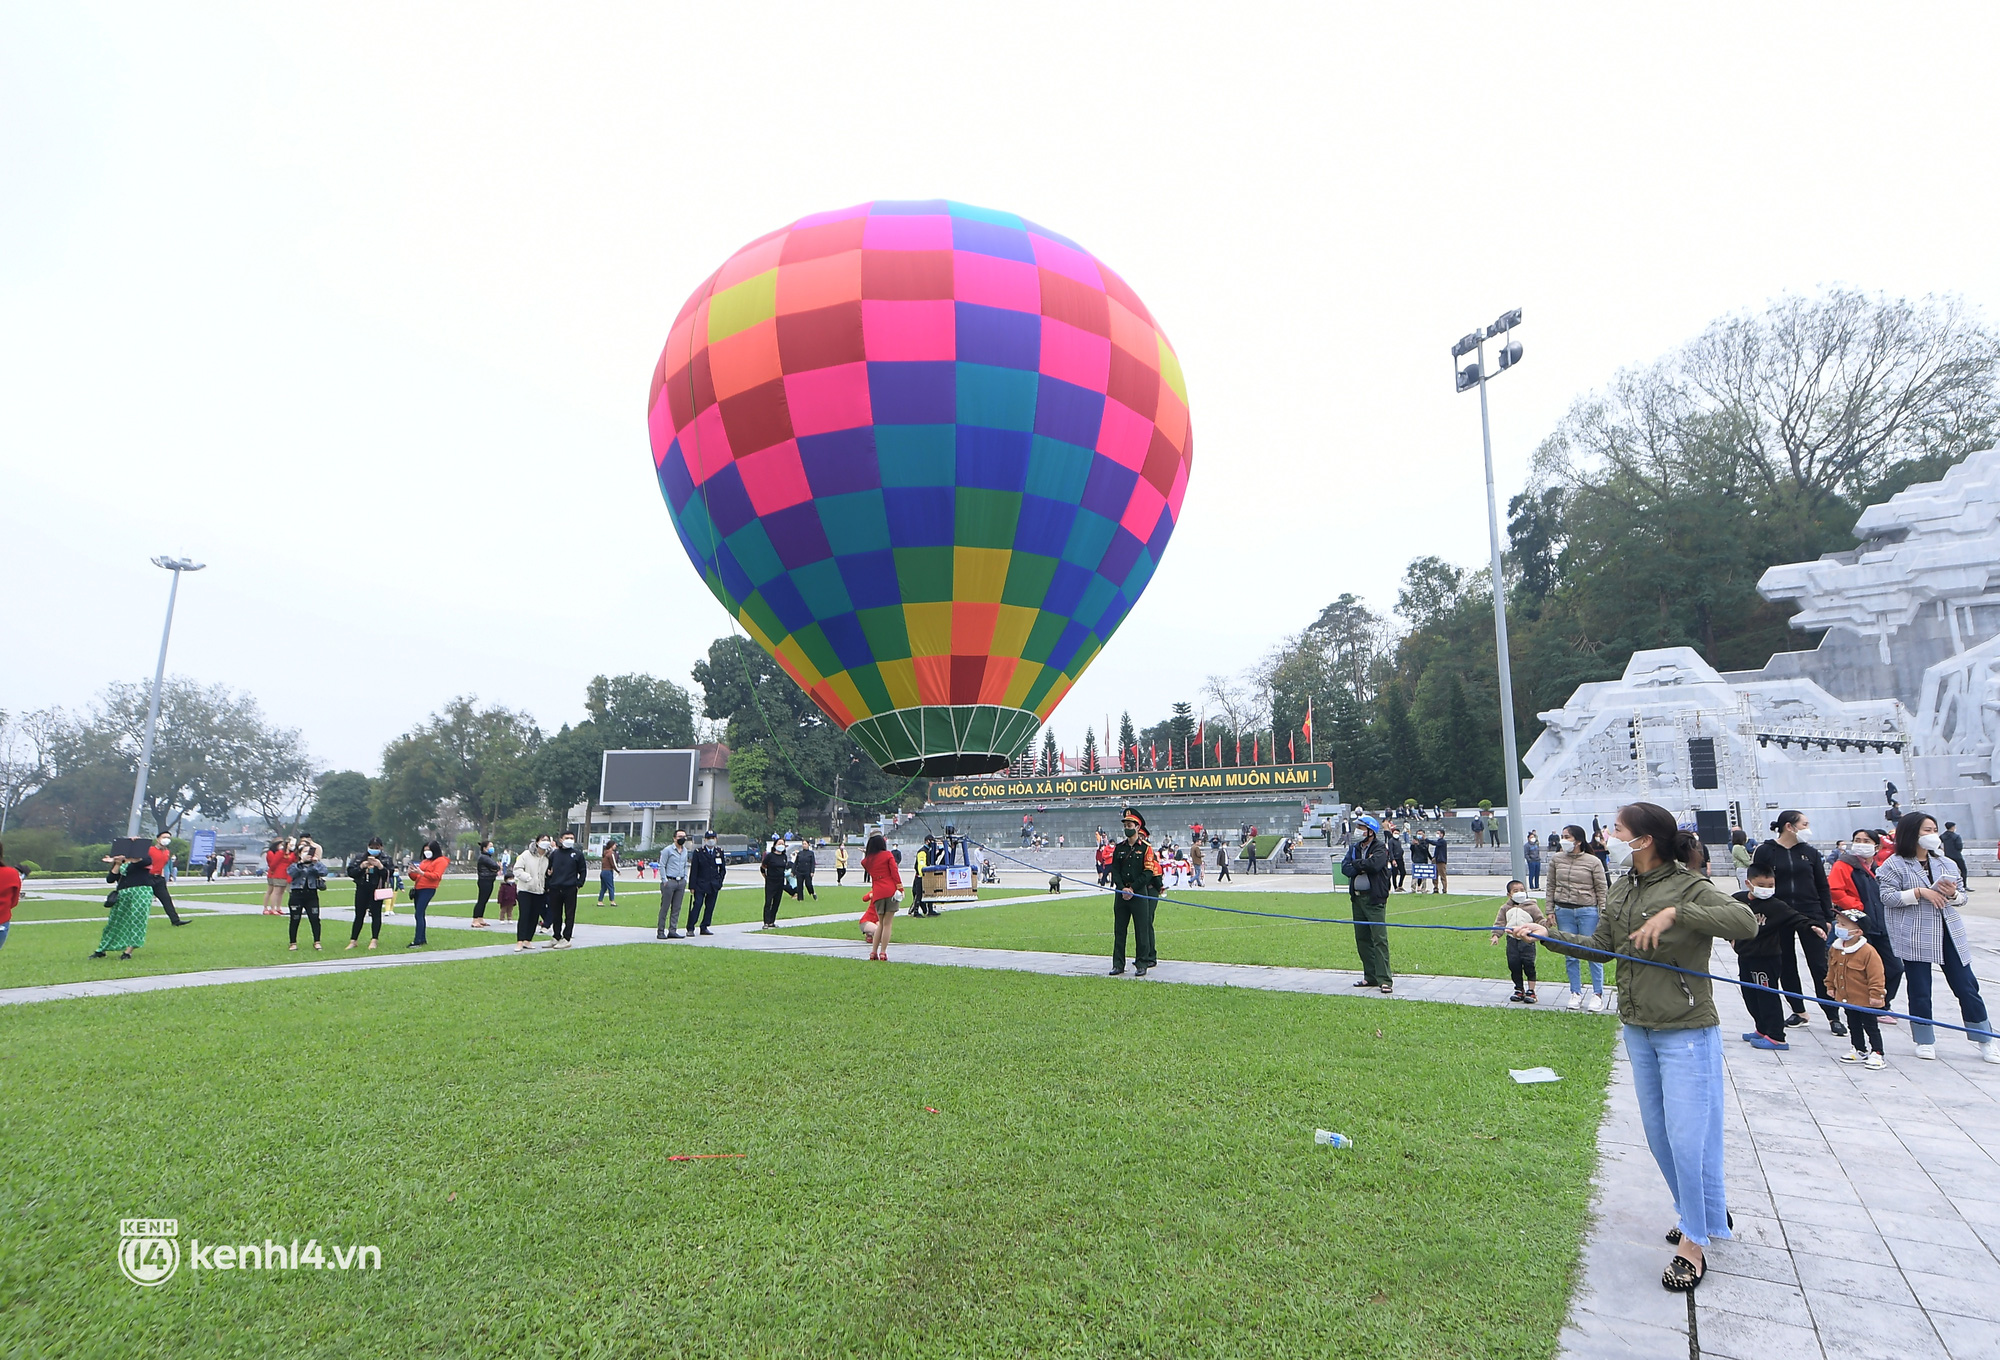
(567, 868)
(1775, 920)
(366, 881)
(774, 864)
(707, 866)
(805, 864)
(1953, 843)
(1371, 858)
(1801, 876)
(488, 866)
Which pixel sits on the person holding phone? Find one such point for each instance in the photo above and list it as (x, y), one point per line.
(1920, 890)
(277, 876)
(425, 876)
(371, 874)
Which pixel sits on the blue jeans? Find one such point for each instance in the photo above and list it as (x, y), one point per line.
(1678, 1073)
(1534, 873)
(1580, 921)
(3, 931)
(420, 899)
(1964, 986)
(607, 885)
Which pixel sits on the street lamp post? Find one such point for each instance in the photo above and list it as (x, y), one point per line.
(176, 565)
(1474, 375)
(839, 813)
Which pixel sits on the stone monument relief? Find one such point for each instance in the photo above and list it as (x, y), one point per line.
(1903, 691)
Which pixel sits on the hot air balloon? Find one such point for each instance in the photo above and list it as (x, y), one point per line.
(928, 455)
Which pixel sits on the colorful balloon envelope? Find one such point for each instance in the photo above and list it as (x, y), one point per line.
(928, 455)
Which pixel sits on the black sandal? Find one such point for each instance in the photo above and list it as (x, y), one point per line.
(1681, 1276)
(1674, 1234)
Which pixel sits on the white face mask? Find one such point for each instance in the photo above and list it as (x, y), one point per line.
(1933, 843)
(544, 846)
(1523, 899)
(1568, 845)
(568, 844)
(1761, 892)
(1621, 851)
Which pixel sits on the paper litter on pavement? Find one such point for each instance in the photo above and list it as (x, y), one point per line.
(1531, 1075)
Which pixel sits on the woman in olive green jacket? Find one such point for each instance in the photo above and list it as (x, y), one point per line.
(1664, 911)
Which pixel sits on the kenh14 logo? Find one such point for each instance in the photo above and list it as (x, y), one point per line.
(149, 1250)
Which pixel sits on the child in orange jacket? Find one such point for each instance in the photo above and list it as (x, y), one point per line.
(1855, 977)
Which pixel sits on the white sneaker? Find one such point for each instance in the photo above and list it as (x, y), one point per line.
(1873, 1060)
(1576, 1001)
(1595, 1004)
(1990, 1051)
(1927, 1051)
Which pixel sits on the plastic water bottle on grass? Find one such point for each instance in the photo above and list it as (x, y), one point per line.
(1327, 1138)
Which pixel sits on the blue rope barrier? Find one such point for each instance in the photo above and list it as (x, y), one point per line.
(1982, 1035)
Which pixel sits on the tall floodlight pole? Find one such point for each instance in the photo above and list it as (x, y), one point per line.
(176, 565)
(1474, 375)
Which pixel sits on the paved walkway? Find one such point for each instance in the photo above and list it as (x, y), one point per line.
(1867, 1203)
(1867, 1206)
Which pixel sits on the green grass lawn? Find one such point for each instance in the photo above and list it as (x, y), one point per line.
(40, 954)
(1082, 925)
(1109, 1170)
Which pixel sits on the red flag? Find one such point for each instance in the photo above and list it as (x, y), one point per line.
(1154, 750)
(1292, 747)
(1255, 759)
(1239, 748)
(1218, 750)
(1309, 718)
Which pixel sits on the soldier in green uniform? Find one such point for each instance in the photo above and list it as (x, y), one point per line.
(1135, 896)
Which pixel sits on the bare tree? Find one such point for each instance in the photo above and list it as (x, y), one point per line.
(1810, 400)
(28, 749)
(1232, 699)
(281, 780)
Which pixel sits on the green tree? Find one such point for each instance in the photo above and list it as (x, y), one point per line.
(212, 749)
(1128, 738)
(765, 710)
(1051, 761)
(568, 769)
(1090, 749)
(1402, 757)
(481, 760)
(343, 817)
(640, 712)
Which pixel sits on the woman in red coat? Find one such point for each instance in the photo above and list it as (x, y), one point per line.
(278, 861)
(885, 890)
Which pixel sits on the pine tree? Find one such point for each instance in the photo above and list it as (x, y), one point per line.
(1090, 750)
(1403, 758)
(1051, 758)
(1127, 739)
(1182, 726)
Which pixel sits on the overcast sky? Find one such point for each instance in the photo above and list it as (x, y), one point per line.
(358, 303)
